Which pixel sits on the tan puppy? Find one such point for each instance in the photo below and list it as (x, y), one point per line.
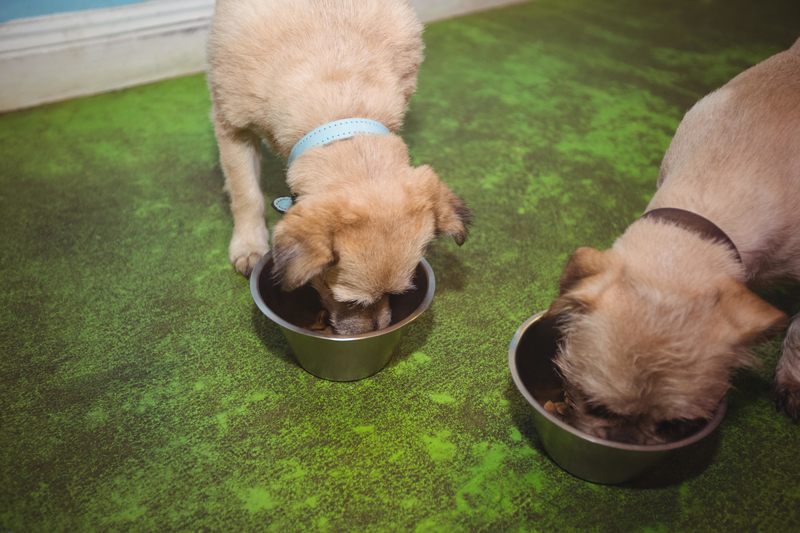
(363, 216)
(655, 326)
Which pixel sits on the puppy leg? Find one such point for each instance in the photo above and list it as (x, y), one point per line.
(240, 154)
(786, 389)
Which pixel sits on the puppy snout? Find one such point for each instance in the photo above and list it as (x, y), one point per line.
(381, 314)
(626, 434)
(354, 320)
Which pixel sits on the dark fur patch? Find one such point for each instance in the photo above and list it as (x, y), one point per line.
(787, 398)
(464, 215)
(674, 430)
(282, 260)
(583, 263)
(282, 256)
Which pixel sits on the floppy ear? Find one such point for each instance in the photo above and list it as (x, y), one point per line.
(587, 275)
(453, 217)
(451, 213)
(302, 246)
(583, 263)
(750, 317)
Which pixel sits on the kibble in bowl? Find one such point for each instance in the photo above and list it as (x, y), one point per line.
(530, 358)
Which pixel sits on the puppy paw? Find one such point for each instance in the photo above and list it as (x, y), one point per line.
(244, 264)
(786, 395)
(247, 249)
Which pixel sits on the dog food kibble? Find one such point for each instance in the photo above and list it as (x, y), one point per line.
(321, 324)
(558, 409)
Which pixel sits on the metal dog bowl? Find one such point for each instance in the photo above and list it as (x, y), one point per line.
(530, 357)
(337, 357)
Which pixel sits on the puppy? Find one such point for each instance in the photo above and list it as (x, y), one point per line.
(654, 327)
(285, 69)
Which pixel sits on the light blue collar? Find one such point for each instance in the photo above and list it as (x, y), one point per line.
(334, 131)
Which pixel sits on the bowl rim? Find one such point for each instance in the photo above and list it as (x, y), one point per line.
(256, 294)
(719, 413)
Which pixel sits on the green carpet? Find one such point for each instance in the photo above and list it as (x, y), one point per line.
(143, 391)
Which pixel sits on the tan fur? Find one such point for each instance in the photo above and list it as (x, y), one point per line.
(363, 217)
(655, 326)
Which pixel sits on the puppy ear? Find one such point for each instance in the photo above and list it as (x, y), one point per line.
(583, 263)
(302, 246)
(750, 317)
(587, 275)
(451, 213)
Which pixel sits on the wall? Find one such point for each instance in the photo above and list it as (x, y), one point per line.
(50, 55)
(17, 9)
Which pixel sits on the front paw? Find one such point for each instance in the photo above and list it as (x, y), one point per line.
(244, 264)
(247, 249)
(786, 395)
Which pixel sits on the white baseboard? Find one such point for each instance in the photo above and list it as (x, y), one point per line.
(56, 57)
(50, 58)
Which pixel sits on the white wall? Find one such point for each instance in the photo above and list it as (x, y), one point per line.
(17, 9)
(50, 58)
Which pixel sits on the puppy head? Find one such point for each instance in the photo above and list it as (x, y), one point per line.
(646, 360)
(362, 243)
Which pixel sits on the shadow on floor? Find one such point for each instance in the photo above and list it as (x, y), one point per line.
(271, 336)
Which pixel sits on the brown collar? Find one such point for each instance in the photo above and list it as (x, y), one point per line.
(689, 221)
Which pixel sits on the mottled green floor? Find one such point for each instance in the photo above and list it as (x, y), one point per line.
(143, 391)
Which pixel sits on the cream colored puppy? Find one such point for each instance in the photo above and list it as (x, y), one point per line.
(362, 218)
(655, 326)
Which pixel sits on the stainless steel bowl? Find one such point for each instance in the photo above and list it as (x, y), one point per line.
(337, 357)
(530, 357)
